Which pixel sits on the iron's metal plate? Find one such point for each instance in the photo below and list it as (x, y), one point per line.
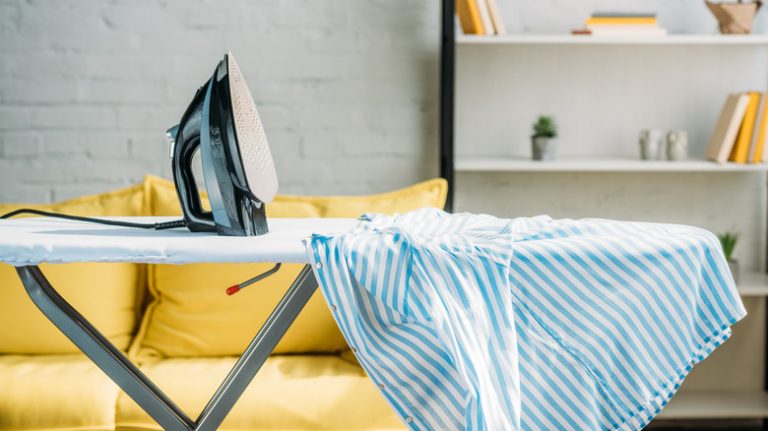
(252, 142)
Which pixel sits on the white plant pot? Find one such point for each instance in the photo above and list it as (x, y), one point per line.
(543, 148)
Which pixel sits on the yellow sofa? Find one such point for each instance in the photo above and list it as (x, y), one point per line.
(176, 322)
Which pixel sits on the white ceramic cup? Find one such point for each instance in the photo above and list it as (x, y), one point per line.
(650, 144)
(677, 145)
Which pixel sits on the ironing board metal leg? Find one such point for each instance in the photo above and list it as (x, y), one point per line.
(136, 384)
(258, 350)
(103, 353)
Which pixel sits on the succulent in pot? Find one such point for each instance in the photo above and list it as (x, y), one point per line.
(543, 140)
(728, 241)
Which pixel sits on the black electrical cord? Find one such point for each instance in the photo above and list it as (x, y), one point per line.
(157, 226)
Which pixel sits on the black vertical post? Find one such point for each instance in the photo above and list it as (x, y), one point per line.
(447, 63)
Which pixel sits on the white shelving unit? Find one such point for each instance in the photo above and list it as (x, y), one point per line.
(598, 165)
(566, 39)
(488, 88)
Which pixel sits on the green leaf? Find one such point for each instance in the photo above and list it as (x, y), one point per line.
(728, 241)
(545, 127)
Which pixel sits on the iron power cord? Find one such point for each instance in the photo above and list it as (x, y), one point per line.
(157, 226)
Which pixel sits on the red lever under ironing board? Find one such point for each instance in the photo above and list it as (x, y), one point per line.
(231, 290)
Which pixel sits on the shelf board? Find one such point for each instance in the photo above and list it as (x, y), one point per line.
(502, 164)
(567, 39)
(717, 405)
(753, 284)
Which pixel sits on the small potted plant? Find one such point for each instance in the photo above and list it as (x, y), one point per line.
(734, 17)
(728, 240)
(543, 141)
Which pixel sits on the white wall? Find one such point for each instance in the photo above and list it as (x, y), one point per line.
(347, 89)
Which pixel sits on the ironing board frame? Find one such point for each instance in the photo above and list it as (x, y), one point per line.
(136, 384)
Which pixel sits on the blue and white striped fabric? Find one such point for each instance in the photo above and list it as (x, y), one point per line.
(473, 322)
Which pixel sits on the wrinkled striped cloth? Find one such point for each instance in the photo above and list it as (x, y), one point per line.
(479, 323)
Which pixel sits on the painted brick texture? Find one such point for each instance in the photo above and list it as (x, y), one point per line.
(347, 89)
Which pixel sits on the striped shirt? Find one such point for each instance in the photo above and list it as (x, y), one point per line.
(471, 322)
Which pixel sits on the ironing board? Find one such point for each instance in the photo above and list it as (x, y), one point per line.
(25, 243)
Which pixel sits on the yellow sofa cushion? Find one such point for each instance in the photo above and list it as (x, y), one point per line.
(321, 392)
(55, 392)
(107, 294)
(192, 316)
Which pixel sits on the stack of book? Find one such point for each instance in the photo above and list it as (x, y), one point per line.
(480, 17)
(740, 132)
(622, 24)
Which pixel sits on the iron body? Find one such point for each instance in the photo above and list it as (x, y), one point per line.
(239, 174)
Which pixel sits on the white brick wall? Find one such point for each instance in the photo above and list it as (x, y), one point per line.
(347, 89)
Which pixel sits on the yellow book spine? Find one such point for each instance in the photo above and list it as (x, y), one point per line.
(740, 152)
(761, 133)
(462, 10)
(621, 21)
(474, 14)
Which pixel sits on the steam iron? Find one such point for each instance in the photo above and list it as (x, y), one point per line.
(238, 171)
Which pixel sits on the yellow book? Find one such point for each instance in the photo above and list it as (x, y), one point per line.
(758, 144)
(620, 21)
(727, 127)
(469, 17)
(740, 152)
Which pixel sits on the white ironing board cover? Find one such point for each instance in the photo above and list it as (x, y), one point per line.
(31, 241)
